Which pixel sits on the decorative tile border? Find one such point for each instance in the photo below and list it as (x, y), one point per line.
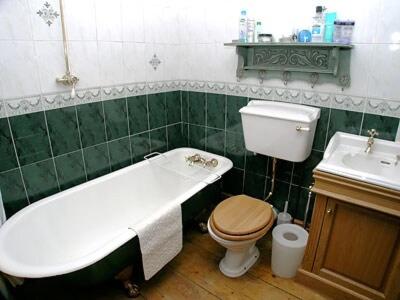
(348, 103)
(19, 106)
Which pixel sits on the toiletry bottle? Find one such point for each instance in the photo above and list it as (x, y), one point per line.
(251, 24)
(258, 31)
(243, 26)
(330, 18)
(318, 26)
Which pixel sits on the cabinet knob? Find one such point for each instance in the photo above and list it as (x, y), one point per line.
(329, 211)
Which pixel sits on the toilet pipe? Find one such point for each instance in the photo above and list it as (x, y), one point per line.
(271, 192)
(307, 205)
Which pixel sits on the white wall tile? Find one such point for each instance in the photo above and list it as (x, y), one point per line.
(158, 73)
(84, 62)
(41, 30)
(132, 20)
(111, 63)
(51, 64)
(108, 20)
(80, 19)
(384, 75)
(19, 76)
(134, 62)
(388, 22)
(15, 20)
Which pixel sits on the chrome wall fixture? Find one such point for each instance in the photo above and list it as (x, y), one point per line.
(67, 79)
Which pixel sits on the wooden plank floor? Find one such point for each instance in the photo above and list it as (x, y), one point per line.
(194, 274)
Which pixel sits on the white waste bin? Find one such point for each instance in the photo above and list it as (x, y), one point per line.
(288, 245)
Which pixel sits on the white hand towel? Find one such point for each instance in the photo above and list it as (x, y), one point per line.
(160, 238)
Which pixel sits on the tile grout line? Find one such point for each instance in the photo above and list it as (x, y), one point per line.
(205, 121)
(18, 162)
(129, 129)
(51, 151)
(80, 142)
(106, 135)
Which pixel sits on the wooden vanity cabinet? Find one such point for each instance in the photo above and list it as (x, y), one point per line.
(353, 251)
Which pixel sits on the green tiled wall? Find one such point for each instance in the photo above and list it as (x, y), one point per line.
(46, 152)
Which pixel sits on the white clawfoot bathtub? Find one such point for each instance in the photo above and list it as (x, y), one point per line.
(76, 228)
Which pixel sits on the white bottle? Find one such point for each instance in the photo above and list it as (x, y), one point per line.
(318, 26)
(243, 26)
(258, 31)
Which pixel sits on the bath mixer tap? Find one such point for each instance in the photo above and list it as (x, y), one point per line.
(372, 134)
(198, 159)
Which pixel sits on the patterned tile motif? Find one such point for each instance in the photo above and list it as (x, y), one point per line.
(348, 103)
(47, 13)
(383, 107)
(3, 113)
(285, 95)
(113, 92)
(259, 92)
(155, 62)
(55, 101)
(196, 86)
(87, 96)
(237, 90)
(316, 99)
(23, 106)
(136, 89)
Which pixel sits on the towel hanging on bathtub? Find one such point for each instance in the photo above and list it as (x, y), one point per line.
(160, 238)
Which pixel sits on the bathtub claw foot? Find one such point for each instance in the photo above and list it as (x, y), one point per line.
(132, 289)
(203, 227)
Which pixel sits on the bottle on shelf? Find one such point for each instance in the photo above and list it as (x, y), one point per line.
(329, 28)
(243, 26)
(318, 25)
(258, 31)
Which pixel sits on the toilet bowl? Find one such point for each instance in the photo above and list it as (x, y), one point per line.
(237, 223)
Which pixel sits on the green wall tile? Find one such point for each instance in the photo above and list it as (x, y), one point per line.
(302, 173)
(70, 169)
(40, 179)
(216, 110)
(386, 126)
(96, 161)
(138, 114)
(157, 110)
(235, 148)
(158, 140)
(298, 201)
(91, 124)
(63, 130)
(254, 185)
(120, 153)
(232, 181)
(116, 118)
(197, 108)
(173, 101)
(256, 164)
(185, 107)
(30, 137)
(197, 137)
(12, 191)
(283, 169)
(233, 117)
(344, 121)
(177, 136)
(322, 128)
(281, 194)
(8, 159)
(140, 146)
(215, 142)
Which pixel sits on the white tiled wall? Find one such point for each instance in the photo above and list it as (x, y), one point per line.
(375, 63)
(112, 42)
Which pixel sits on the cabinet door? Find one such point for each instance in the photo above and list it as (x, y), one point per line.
(359, 249)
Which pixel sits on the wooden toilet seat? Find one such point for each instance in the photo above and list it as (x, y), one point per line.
(241, 218)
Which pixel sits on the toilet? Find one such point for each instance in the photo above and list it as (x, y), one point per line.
(237, 223)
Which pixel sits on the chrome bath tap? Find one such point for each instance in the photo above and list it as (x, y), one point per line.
(197, 159)
(372, 134)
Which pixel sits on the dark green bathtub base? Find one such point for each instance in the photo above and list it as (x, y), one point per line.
(72, 284)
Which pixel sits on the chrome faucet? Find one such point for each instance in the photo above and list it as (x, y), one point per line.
(197, 159)
(372, 134)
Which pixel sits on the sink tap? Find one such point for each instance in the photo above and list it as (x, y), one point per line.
(372, 134)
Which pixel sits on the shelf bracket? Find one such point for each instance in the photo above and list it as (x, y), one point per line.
(261, 75)
(286, 75)
(314, 77)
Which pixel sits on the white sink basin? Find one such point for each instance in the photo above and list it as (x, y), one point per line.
(346, 156)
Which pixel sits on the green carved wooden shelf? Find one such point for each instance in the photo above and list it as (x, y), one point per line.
(314, 59)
